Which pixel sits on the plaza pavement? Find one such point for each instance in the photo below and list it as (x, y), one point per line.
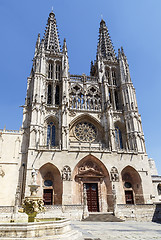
(118, 230)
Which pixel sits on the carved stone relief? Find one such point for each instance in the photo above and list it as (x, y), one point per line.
(114, 174)
(72, 113)
(66, 173)
(90, 166)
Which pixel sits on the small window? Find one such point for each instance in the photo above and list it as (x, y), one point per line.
(58, 71)
(57, 95)
(114, 77)
(110, 98)
(48, 183)
(107, 73)
(49, 98)
(51, 134)
(116, 100)
(159, 189)
(118, 138)
(50, 71)
(128, 185)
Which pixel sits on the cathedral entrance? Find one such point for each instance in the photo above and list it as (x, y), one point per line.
(91, 175)
(48, 196)
(129, 197)
(92, 197)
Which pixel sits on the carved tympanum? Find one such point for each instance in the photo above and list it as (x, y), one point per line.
(90, 166)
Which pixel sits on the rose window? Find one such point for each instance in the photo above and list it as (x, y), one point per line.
(85, 132)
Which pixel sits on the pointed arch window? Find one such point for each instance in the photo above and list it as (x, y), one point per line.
(51, 134)
(159, 189)
(49, 97)
(50, 71)
(118, 138)
(116, 100)
(57, 73)
(110, 98)
(57, 95)
(107, 73)
(114, 77)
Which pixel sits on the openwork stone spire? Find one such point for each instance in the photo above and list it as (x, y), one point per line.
(105, 48)
(51, 36)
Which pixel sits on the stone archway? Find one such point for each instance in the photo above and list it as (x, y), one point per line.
(92, 174)
(50, 182)
(132, 185)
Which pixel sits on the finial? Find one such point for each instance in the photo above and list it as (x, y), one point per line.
(101, 16)
(52, 9)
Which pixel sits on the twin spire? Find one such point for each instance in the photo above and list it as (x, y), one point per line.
(105, 49)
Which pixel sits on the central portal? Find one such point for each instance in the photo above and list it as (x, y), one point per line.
(92, 197)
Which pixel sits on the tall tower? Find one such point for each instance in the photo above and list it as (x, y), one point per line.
(44, 114)
(83, 132)
(118, 96)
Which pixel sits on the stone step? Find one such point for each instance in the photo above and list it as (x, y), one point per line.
(102, 217)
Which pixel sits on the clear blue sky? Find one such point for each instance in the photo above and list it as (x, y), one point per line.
(135, 25)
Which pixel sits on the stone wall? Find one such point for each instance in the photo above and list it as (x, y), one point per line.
(138, 212)
(10, 160)
(157, 213)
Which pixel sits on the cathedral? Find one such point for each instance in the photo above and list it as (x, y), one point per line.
(82, 135)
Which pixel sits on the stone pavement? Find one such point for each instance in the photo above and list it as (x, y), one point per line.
(118, 230)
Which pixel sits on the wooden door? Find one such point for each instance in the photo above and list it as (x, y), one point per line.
(129, 197)
(48, 196)
(92, 197)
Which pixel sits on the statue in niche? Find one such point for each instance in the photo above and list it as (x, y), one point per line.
(34, 174)
(2, 173)
(66, 173)
(114, 174)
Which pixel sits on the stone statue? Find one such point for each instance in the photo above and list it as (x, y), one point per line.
(34, 174)
(66, 173)
(114, 175)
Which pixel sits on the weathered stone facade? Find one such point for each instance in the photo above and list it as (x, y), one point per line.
(79, 132)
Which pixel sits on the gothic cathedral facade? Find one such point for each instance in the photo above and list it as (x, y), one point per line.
(80, 133)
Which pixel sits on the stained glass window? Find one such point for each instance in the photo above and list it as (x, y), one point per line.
(49, 99)
(118, 138)
(114, 77)
(85, 132)
(51, 134)
(58, 71)
(50, 71)
(57, 95)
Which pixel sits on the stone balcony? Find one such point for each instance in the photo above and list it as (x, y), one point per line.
(83, 78)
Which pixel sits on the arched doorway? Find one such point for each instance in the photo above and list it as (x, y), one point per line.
(132, 186)
(91, 174)
(51, 184)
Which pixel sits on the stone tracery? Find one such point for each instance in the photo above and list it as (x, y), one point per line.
(85, 132)
(89, 100)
